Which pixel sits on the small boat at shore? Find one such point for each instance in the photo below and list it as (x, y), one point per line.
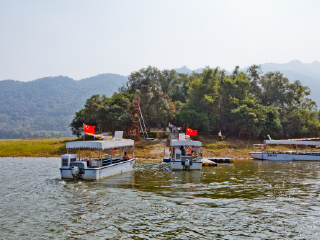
(103, 159)
(185, 155)
(287, 150)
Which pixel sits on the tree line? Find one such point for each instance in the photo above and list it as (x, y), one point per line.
(242, 104)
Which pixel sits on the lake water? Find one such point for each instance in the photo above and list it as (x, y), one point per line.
(247, 199)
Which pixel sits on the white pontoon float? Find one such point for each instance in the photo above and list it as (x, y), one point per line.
(190, 160)
(279, 153)
(106, 158)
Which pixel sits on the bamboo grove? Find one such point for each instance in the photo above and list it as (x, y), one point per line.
(242, 104)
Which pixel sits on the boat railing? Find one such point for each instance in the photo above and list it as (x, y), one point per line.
(268, 149)
(300, 152)
(260, 147)
(195, 157)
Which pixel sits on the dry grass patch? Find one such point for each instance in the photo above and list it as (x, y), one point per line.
(149, 150)
(145, 149)
(234, 148)
(37, 147)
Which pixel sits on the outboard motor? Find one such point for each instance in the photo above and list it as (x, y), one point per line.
(75, 171)
(78, 169)
(186, 164)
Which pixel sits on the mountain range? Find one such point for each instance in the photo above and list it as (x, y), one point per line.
(47, 105)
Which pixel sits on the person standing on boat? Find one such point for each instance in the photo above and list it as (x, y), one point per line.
(183, 151)
(194, 150)
(220, 135)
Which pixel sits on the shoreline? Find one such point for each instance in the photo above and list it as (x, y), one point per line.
(140, 159)
(149, 150)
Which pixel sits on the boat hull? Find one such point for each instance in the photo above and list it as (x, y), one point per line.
(101, 172)
(177, 165)
(285, 156)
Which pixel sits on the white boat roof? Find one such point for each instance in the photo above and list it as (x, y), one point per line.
(100, 144)
(185, 143)
(290, 142)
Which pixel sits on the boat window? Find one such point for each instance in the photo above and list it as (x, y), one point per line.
(65, 162)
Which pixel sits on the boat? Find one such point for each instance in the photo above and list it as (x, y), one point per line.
(104, 158)
(185, 154)
(287, 150)
(191, 157)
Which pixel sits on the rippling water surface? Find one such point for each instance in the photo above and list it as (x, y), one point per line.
(247, 199)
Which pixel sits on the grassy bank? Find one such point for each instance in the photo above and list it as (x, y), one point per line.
(234, 148)
(37, 147)
(55, 147)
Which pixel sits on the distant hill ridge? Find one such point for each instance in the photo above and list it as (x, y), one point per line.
(186, 70)
(308, 69)
(48, 104)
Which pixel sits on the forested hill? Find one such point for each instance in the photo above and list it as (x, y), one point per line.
(47, 105)
(243, 104)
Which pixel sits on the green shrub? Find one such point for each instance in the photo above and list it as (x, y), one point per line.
(150, 134)
(163, 135)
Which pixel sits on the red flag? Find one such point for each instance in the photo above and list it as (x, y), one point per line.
(88, 129)
(191, 132)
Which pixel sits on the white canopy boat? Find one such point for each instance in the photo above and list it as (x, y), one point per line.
(105, 158)
(185, 155)
(279, 153)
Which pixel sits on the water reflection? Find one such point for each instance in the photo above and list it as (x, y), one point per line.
(247, 199)
(125, 180)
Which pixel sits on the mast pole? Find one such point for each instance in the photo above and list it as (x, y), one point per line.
(144, 125)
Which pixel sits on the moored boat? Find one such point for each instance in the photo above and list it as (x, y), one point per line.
(185, 154)
(105, 158)
(287, 150)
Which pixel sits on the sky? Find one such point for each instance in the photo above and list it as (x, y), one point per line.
(80, 39)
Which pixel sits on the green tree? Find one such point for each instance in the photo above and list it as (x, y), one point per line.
(291, 100)
(156, 106)
(245, 104)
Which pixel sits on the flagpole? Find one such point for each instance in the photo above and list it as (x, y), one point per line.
(83, 132)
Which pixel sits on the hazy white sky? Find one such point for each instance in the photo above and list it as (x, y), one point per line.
(80, 39)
